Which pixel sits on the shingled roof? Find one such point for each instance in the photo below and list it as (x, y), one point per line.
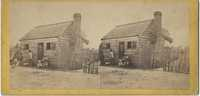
(128, 30)
(47, 31)
(133, 29)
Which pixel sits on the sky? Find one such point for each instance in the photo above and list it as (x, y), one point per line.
(98, 18)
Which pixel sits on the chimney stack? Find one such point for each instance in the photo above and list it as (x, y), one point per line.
(77, 22)
(77, 17)
(158, 20)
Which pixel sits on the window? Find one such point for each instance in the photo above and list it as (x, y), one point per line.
(108, 45)
(50, 46)
(129, 45)
(26, 46)
(134, 44)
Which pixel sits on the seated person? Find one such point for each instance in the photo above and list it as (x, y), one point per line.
(124, 61)
(39, 64)
(45, 61)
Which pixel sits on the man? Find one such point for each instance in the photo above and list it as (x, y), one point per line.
(30, 54)
(17, 57)
(101, 57)
(45, 61)
(111, 53)
(112, 56)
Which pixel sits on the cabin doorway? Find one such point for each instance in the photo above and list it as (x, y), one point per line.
(121, 49)
(40, 51)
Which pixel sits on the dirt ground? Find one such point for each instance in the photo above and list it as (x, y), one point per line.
(108, 77)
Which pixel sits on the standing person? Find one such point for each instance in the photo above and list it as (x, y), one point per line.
(101, 57)
(111, 53)
(84, 67)
(17, 57)
(127, 60)
(45, 61)
(30, 54)
(111, 56)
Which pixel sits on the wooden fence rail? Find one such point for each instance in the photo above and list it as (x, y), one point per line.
(177, 61)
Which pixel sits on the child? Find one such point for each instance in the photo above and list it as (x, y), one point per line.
(39, 64)
(45, 61)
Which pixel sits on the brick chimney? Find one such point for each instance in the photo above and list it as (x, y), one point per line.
(158, 21)
(77, 31)
(77, 21)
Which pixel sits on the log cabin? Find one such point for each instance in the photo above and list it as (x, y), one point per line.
(59, 42)
(142, 41)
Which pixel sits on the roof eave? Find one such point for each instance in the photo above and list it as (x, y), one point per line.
(118, 37)
(39, 38)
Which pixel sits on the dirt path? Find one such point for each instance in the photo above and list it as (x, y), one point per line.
(23, 77)
(109, 77)
(136, 78)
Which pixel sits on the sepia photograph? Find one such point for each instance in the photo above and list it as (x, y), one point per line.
(114, 45)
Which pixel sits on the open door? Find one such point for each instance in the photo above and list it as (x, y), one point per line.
(121, 49)
(40, 51)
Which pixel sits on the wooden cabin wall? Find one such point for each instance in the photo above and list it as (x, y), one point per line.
(68, 58)
(33, 46)
(145, 53)
(151, 55)
(132, 53)
(159, 51)
(64, 54)
(151, 47)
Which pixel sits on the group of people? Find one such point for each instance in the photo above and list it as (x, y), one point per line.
(90, 63)
(107, 55)
(43, 63)
(21, 57)
(124, 61)
(27, 58)
(24, 57)
(90, 68)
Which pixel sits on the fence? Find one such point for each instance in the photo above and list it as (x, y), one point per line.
(90, 61)
(91, 68)
(176, 60)
(83, 57)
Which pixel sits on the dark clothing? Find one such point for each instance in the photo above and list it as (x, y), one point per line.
(18, 55)
(101, 57)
